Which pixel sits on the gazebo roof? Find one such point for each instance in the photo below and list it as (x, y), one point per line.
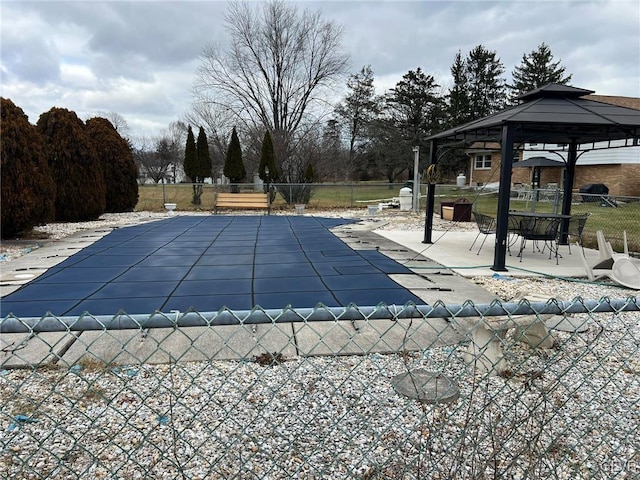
(554, 114)
(539, 162)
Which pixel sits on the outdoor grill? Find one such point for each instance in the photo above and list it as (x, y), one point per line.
(591, 191)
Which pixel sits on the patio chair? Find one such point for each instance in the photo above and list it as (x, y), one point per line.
(524, 192)
(549, 192)
(626, 272)
(540, 229)
(575, 228)
(623, 270)
(486, 225)
(513, 230)
(602, 268)
(607, 251)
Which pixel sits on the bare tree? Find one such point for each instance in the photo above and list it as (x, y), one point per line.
(218, 123)
(118, 122)
(278, 62)
(154, 157)
(175, 136)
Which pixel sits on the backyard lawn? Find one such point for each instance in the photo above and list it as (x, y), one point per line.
(611, 220)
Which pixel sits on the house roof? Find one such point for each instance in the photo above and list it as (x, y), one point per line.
(628, 102)
(551, 114)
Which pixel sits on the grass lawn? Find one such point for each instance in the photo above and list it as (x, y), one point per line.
(612, 221)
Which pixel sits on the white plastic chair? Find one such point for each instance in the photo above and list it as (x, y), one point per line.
(602, 268)
(626, 272)
(619, 267)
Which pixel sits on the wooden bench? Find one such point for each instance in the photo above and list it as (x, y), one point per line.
(242, 201)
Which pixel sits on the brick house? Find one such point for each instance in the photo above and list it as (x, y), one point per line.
(617, 168)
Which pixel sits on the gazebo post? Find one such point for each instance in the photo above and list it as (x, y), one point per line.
(504, 193)
(569, 177)
(431, 194)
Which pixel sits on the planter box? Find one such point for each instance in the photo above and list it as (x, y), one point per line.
(458, 210)
(447, 213)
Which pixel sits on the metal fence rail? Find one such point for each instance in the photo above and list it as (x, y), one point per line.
(527, 390)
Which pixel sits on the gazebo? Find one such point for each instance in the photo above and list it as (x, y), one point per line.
(537, 164)
(559, 118)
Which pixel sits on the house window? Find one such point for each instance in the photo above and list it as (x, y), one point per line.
(483, 162)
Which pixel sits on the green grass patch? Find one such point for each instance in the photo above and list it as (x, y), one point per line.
(612, 221)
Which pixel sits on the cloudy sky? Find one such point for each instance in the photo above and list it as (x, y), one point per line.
(138, 58)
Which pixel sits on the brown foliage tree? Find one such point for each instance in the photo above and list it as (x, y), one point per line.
(81, 193)
(119, 169)
(28, 190)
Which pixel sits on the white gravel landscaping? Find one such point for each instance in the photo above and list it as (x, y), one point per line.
(569, 412)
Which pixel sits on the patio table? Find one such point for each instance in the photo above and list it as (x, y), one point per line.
(516, 217)
(533, 221)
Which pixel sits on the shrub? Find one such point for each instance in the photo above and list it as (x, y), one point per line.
(118, 167)
(28, 190)
(81, 191)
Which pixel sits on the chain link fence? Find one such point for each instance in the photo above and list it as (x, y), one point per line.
(540, 389)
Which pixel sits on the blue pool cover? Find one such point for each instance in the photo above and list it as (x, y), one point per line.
(206, 263)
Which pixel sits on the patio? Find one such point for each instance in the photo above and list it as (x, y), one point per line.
(451, 250)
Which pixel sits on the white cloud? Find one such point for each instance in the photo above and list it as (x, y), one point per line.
(138, 58)
(77, 76)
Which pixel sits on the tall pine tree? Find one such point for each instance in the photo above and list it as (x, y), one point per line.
(202, 168)
(357, 109)
(190, 161)
(536, 70)
(458, 107)
(487, 87)
(416, 106)
(233, 165)
(268, 160)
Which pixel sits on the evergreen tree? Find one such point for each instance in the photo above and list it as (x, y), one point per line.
(118, 166)
(387, 151)
(233, 166)
(27, 189)
(309, 173)
(268, 160)
(487, 88)
(333, 154)
(190, 155)
(202, 167)
(204, 158)
(536, 70)
(458, 105)
(357, 109)
(416, 106)
(413, 103)
(417, 110)
(76, 169)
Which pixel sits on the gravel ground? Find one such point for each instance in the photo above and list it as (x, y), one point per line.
(570, 412)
